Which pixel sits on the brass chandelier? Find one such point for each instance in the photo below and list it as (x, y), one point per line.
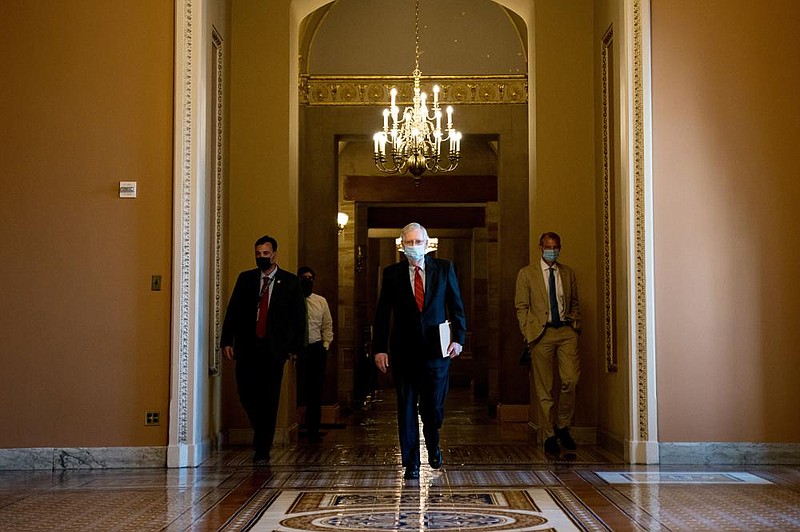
(414, 141)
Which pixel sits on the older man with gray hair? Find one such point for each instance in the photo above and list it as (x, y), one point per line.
(417, 296)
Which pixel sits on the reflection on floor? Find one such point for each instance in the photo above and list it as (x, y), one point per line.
(492, 479)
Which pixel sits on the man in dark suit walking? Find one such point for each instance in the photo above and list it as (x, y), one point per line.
(417, 295)
(264, 325)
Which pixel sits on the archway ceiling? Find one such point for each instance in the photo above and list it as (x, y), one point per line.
(375, 37)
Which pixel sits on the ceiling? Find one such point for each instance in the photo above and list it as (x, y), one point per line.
(376, 37)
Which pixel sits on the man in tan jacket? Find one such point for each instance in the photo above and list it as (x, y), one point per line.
(549, 317)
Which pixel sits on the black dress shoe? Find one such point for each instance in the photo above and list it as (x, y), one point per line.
(260, 458)
(435, 458)
(411, 472)
(551, 446)
(565, 439)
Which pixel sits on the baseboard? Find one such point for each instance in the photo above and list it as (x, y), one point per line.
(611, 443)
(581, 435)
(729, 453)
(283, 436)
(641, 452)
(239, 436)
(52, 458)
(191, 455)
(330, 415)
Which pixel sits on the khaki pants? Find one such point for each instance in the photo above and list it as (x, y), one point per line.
(559, 345)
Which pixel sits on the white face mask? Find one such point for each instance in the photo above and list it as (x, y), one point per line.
(414, 253)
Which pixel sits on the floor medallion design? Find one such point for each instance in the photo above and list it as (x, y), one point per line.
(417, 520)
(513, 510)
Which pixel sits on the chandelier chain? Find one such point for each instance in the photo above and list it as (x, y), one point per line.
(416, 36)
(412, 138)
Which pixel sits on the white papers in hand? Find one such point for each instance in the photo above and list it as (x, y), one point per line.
(444, 337)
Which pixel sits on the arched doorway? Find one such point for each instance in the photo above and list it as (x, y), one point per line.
(631, 16)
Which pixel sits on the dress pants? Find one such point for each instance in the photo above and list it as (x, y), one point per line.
(315, 362)
(259, 373)
(555, 345)
(421, 393)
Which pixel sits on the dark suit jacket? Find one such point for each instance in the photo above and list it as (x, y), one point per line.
(414, 335)
(286, 319)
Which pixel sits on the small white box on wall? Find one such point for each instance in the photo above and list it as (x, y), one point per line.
(127, 189)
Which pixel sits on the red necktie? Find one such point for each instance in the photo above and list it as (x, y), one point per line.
(419, 289)
(263, 308)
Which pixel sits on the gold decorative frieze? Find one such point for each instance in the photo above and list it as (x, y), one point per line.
(374, 90)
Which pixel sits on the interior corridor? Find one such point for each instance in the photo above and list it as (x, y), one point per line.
(493, 478)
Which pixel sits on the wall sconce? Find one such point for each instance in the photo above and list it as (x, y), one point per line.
(341, 220)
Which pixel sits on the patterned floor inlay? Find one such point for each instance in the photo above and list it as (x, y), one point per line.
(380, 479)
(141, 509)
(388, 455)
(709, 507)
(677, 477)
(353, 482)
(531, 509)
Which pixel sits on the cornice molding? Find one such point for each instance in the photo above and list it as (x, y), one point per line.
(374, 90)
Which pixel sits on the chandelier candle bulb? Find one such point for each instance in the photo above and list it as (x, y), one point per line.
(385, 119)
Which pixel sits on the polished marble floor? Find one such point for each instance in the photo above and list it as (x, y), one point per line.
(493, 478)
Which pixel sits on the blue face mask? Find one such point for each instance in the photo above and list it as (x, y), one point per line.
(550, 255)
(414, 253)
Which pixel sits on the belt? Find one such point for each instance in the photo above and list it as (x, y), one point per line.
(556, 325)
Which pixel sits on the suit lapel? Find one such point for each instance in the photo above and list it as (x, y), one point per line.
(431, 279)
(539, 286)
(255, 291)
(277, 287)
(565, 287)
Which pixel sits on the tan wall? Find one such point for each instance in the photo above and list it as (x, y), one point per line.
(613, 386)
(261, 197)
(86, 102)
(259, 187)
(564, 195)
(726, 79)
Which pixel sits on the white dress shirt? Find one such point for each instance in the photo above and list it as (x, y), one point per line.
(320, 323)
(559, 287)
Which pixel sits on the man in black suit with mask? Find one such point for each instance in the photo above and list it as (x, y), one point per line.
(417, 295)
(264, 325)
